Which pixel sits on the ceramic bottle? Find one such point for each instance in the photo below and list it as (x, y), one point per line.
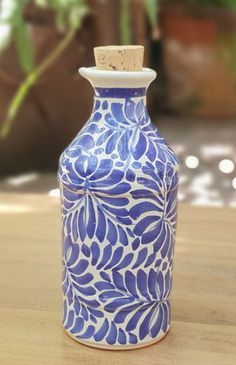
(118, 180)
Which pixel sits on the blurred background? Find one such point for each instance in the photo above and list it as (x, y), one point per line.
(44, 102)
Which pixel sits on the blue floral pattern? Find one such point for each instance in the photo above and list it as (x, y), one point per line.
(118, 182)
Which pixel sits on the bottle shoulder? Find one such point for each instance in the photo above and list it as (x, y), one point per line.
(107, 154)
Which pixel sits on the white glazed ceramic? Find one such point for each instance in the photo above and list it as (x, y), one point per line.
(118, 181)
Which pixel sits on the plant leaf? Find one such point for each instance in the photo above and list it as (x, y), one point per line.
(24, 46)
(152, 10)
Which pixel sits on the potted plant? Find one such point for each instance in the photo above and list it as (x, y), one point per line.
(42, 44)
(199, 39)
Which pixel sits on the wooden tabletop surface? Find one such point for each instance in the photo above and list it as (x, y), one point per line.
(203, 328)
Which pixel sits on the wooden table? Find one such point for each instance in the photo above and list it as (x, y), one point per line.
(204, 296)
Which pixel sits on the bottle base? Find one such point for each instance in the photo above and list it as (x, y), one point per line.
(115, 347)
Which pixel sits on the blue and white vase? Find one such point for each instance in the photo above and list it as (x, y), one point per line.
(118, 181)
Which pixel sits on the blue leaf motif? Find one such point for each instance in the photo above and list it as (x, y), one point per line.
(118, 191)
(143, 207)
(103, 285)
(72, 251)
(130, 282)
(103, 170)
(101, 333)
(92, 163)
(103, 137)
(109, 294)
(140, 109)
(140, 148)
(82, 229)
(152, 283)
(80, 267)
(112, 142)
(116, 257)
(145, 325)
(95, 312)
(160, 238)
(157, 325)
(88, 333)
(121, 188)
(92, 318)
(112, 335)
(111, 122)
(118, 280)
(105, 276)
(95, 253)
(125, 262)
(112, 233)
(150, 259)
(166, 315)
(84, 279)
(160, 281)
(151, 152)
(91, 221)
(121, 337)
(91, 303)
(77, 307)
(130, 175)
(142, 284)
(151, 235)
(113, 178)
(135, 243)
(132, 323)
(118, 114)
(124, 313)
(117, 202)
(130, 110)
(123, 145)
(85, 250)
(101, 225)
(142, 225)
(87, 290)
(83, 312)
(78, 326)
(122, 236)
(75, 227)
(133, 338)
(97, 116)
(70, 319)
(106, 256)
(141, 258)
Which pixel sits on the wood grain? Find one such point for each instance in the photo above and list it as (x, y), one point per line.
(204, 295)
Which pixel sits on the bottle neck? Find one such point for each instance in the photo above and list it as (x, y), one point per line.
(120, 107)
(120, 93)
(128, 98)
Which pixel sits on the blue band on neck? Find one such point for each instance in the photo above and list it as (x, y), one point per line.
(119, 92)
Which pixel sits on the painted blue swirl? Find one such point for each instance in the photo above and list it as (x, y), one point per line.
(118, 181)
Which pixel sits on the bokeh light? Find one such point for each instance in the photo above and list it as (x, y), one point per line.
(226, 166)
(192, 162)
(234, 183)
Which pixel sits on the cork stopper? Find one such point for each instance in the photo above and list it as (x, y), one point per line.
(119, 58)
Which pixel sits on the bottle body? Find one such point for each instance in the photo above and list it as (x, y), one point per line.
(119, 183)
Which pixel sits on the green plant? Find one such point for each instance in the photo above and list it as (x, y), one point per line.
(151, 8)
(68, 18)
(69, 15)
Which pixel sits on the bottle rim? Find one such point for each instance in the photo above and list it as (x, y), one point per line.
(122, 79)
